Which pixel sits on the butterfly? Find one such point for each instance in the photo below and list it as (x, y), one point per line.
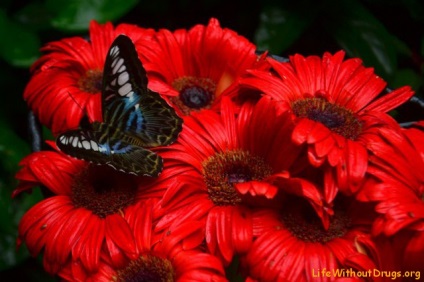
(134, 118)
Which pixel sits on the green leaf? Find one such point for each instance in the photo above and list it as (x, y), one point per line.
(34, 16)
(75, 15)
(12, 150)
(406, 77)
(20, 46)
(280, 27)
(232, 271)
(401, 48)
(11, 212)
(29, 270)
(47, 133)
(362, 35)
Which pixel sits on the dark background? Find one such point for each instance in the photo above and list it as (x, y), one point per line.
(387, 34)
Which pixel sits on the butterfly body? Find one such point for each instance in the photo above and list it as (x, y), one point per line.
(134, 118)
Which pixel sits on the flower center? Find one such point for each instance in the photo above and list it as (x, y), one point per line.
(195, 93)
(222, 170)
(301, 220)
(338, 119)
(146, 268)
(91, 82)
(103, 190)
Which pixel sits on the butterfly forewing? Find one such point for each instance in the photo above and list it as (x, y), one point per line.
(127, 102)
(134, 117)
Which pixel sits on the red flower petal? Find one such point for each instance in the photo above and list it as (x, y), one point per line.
(119, 232)
(351, 174)
(183, 232)
(117, 258)
(318, 133)
(101, 37)
(40, 222)
(308, 71)
(330, 186)
(194, 266)
(361, 89)
(218, 233)
(314, 159)
(391, 100)
(302, 130)
(59, 247)
(51, 169)
(257, 188)
(139, 217)
(242, 222)
(87, 249)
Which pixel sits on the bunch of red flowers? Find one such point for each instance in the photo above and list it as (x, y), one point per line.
(287, 167)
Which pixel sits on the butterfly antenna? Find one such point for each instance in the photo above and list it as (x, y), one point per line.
(73, 99)
(79, 106)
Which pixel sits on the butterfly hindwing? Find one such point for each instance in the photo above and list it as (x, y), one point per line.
(127, 102)
(114, 152)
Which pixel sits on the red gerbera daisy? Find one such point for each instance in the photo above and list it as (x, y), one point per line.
(195, 66)
(66, 81)
(223, 165)
(396, 182)
(169, 256)
(334, 107)
(89, 210)
(292, 245)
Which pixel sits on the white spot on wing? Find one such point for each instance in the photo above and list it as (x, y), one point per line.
(123, 78)
(114, 50)
(62, 138)
(121, 69)
(114, 62)
(94, 146)
(123, 91)
(74, 142)
(86, 144)
(118, 65)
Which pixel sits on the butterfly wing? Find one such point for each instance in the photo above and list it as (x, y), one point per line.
(133, 117)
(127, 102)
(89, 145)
